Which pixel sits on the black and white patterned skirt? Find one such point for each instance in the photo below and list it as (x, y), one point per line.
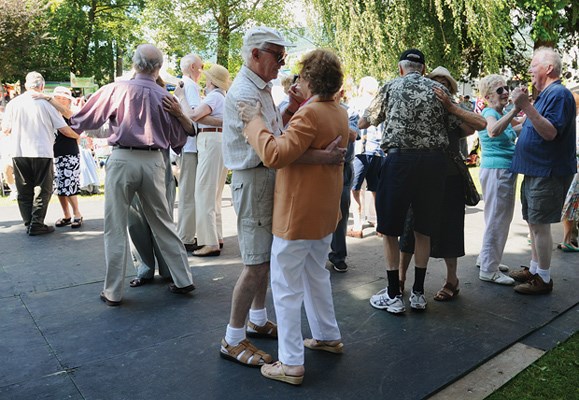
(67, 175)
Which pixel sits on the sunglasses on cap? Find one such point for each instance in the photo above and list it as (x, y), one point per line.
(280, 57)
(502, 89)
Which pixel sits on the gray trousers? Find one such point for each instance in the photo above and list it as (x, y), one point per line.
(142, 173)
(144, 248)
(31, 173)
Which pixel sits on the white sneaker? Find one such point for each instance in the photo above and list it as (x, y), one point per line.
(381, 301)
(496, 277)
(417, 301)
(502, 267)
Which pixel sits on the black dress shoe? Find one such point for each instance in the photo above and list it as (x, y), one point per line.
(109, 302)
(181, 290)
(35, 230)
(340, 266)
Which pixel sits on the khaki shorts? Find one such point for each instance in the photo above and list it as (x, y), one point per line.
(543, 198)
(252, 194)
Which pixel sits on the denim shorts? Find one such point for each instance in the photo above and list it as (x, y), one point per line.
(252, 195)
(543, 198)
(367, 166)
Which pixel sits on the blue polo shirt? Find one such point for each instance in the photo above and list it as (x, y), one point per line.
(535, 156)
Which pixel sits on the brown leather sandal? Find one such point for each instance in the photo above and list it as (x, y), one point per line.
(448, 292)
(333, 346)
(244, 353)
(269, 330)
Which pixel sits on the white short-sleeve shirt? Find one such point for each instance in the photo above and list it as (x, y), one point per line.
(32, 124)
(193, 97)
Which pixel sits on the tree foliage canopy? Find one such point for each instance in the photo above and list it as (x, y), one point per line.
(469, 37)
(210, 27)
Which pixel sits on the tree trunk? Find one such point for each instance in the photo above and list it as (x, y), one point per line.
(119, 60)
(223, 37)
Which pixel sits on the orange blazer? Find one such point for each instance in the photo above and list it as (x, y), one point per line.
(307, 196)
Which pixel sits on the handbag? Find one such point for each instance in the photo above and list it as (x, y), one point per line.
(471, 195)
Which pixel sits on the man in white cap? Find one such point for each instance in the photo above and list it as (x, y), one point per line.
(252, 187)
(32, 124)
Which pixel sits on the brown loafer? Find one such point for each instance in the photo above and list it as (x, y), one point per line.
(108, 302)
(206, 251)
(181, 290)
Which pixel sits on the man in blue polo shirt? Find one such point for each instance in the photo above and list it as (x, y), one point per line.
(545, 155)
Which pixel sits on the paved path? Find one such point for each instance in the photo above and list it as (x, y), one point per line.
(59, 341)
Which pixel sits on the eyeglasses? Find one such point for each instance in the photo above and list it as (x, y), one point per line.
(280, 57)
(502, 89)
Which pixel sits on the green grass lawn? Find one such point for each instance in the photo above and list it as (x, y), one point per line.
(554, 376)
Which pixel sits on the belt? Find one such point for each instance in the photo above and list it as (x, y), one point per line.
(401, 151)
(135, 148)
(210, 130)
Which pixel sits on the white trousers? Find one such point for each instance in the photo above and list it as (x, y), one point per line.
(299, 275)
(186, 208)
(210, 180)
(131, 172)
(498, 186)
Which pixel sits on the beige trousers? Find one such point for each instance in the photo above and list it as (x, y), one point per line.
(211, 174)
(131, 172)
(186, 207)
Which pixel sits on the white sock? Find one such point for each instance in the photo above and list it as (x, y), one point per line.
(533, 267)
(234, 335)
(258, 317)
(545, 274)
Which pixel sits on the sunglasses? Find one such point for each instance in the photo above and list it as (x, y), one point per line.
(280, 57)
(502, 89)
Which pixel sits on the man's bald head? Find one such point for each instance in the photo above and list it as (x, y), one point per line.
(147, 59)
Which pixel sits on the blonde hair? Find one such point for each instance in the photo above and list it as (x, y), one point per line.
(486, 84)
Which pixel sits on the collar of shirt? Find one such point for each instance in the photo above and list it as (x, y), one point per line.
(547, 89)
(257, 81)
(140, 76)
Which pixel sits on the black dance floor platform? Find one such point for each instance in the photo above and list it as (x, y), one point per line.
(59, 341)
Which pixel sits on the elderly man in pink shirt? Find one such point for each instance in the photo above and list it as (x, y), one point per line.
(139, 131)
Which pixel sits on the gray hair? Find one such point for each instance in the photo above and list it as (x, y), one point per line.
(488, 82)
(411, 66)
(147, 59)
(34, 80)
(247, 50)
(548, 55)
(187, 61)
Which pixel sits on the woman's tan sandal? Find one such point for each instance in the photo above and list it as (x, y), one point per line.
(244, 353)
(269, 330)
(448, 292)
(332, 346)
(276, 371)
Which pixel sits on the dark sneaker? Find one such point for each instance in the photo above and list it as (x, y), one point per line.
(340, 266)
(535, 285)
(36, 230)
(522, 275)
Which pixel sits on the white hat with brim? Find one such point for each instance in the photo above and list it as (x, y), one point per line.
(261, 34)
(219, 76)
(444, 73)
(61, 91)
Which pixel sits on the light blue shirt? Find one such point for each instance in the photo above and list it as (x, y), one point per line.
(497, 152)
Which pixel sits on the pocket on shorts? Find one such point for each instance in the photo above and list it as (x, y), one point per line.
(236, 191)
(257, 239)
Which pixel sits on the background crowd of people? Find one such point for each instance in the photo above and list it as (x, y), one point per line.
(293, 169)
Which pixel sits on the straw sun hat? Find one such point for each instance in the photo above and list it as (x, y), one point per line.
(219, 76)
(443, 73)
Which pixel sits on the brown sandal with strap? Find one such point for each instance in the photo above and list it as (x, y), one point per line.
(269, 330)
(244, 353)
(448, 292)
